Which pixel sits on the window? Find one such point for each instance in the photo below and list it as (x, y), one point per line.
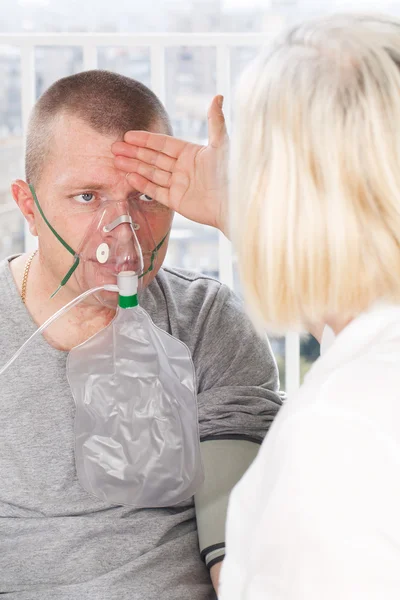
(166, 44)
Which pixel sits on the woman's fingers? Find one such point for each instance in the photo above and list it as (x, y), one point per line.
(217, 133)
(151, 157)
(156, 141)
(143, 185)
(152, 174)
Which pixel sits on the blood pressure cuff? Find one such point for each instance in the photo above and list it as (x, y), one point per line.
(225, 461)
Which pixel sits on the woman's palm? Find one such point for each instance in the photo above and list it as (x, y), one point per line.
(188, 178)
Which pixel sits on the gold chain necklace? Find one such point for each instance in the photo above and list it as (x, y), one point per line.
(26, 273)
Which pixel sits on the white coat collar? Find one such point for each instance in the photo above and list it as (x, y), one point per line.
(380, 323)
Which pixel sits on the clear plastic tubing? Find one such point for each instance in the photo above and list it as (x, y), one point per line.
(57, 315)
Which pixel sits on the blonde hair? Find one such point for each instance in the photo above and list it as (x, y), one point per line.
(315, 181)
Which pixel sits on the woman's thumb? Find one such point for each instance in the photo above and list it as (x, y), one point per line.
(216, 123)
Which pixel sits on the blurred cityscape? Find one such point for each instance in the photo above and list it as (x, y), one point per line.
(190, 82)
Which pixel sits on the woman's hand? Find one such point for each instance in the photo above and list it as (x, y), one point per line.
(188, 178)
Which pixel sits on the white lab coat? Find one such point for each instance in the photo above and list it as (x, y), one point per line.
(317, 515)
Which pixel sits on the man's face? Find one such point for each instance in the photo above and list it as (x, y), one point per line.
(79, 175)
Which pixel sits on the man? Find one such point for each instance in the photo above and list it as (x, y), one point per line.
(56, 540)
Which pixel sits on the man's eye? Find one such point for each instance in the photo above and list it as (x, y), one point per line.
(84, 198)
(145, 198)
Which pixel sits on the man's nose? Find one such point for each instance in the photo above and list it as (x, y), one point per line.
(123, 232)
(120, 222)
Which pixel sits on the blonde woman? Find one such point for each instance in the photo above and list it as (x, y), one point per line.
(314, 214)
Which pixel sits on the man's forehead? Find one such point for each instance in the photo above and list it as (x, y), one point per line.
(72, 133)
(70, 129)
(81, 158)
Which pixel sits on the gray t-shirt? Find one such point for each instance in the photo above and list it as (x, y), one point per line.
(57, 541)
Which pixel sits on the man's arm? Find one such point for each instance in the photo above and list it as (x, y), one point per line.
(238, 399)
(215, 572)
(225, 461)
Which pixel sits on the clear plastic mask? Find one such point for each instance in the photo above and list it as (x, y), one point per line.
(111, 246)
(118, 239)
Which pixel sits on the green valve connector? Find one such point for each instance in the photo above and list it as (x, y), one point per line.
(128, 301)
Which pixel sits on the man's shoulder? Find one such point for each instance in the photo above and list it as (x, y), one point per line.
(5, 273)
(189, 285)
(195, 295)
(5, 264)
(185, 277)
(10, 301)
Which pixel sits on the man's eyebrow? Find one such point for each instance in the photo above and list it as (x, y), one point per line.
(82, 187)
(87, 186)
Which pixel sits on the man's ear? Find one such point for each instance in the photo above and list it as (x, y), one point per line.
(26, 204)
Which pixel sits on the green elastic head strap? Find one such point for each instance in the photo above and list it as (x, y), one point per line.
(154, 256)
(66, 246)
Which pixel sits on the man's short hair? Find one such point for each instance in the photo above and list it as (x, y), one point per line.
(110, 103)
